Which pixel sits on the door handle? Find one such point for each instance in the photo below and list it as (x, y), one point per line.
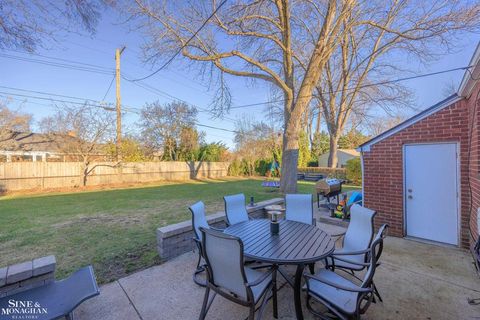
(410, 197)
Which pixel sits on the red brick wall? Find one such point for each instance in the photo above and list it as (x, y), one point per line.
(383, 166)
(473, 103)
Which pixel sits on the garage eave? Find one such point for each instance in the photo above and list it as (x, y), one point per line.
(365, 147)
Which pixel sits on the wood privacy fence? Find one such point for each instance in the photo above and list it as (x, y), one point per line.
(39, 175)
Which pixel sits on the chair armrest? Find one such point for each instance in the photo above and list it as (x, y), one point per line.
(354, 288)
(260, 279)
(217, 229)
(351, 253)
(363, 264)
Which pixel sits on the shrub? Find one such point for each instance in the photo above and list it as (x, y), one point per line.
(236, 168)
(354, 171)
(261, 167)
(312, 163)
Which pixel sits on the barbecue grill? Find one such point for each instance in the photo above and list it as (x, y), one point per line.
(328, 188)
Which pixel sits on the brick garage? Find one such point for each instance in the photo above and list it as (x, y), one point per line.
(453, 120)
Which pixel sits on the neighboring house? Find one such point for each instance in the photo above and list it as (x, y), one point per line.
(30, 146)
(423, 175)
(343, 156)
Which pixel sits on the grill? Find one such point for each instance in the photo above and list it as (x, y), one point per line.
(329, 188)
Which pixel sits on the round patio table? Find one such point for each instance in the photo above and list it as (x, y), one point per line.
(297, 244)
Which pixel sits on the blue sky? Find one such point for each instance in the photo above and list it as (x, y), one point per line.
(175, 80)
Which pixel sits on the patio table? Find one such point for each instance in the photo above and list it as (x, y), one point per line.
(296, 244)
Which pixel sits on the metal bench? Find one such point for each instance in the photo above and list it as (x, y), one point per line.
(51, 301)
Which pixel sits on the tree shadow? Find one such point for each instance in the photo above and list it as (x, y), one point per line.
(194, 169)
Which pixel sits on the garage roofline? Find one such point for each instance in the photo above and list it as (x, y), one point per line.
(365, 147)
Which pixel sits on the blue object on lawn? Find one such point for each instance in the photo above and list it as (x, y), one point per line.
(356, 197)
(271, 184)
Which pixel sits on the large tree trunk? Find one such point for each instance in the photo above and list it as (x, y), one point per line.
(332, 156)
(288, 180)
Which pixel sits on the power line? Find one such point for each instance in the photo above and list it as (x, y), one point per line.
(359, 87)
(50, 94)
(62, 59)
(57, 100)
(56, 64)
(132, 110)
(184, 45)
(104, 70)
(171, 97)
(109, 87)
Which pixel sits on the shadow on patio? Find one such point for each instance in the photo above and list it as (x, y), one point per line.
(416, 280)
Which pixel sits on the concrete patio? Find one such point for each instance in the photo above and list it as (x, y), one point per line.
(416, 280)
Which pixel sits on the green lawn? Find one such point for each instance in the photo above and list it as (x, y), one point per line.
(114, 230)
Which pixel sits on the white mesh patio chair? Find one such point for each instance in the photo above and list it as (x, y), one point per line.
(199, 220)
(358, 238)
(299, 207)
(342, 297)
(235, 209)
(228, 277)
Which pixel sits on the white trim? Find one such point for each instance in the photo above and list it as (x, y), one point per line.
(467, 84)
(459, 200)
(407, 123)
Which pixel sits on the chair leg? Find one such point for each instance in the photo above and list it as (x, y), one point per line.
(251, 314)
(70, 316)
(204, 311)
(375, 290)
(199, 269)
(311, 267)
(264, 302)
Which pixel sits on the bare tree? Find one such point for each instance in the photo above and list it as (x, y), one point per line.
(264, 42)
(165, 127)
(381, 124)
(365, 55)
(81, 133)
(25, 24)
(256, 141)
(12, 124)
(14, 120)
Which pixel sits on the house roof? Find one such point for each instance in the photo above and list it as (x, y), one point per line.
(419, 116)
(30, 141)
(470, 77)
(351, 152)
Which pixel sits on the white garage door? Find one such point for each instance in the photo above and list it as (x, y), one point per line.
(431, 192)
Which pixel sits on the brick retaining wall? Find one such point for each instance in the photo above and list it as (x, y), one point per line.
(176, 239)
(26, 275)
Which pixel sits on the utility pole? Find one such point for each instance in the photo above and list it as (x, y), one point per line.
(118, 144)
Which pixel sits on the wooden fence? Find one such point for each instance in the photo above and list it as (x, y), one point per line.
(46, 175)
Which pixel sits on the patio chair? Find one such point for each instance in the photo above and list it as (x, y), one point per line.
(227, 275)
(198, 220)
(235, 209)
(358, 238)
(342, 297)
(59, 298)
(299, 207)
